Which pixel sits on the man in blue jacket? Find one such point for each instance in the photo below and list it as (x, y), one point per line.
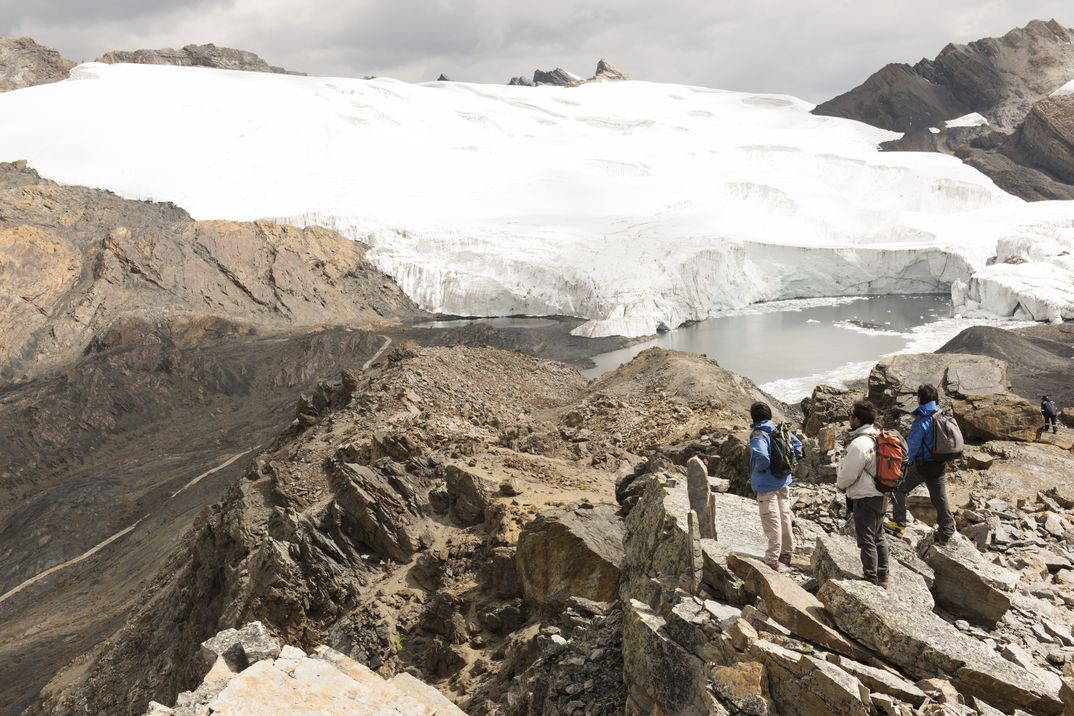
(922, 468)
(773, 494)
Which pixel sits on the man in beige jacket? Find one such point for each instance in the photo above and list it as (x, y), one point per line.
(855, 478)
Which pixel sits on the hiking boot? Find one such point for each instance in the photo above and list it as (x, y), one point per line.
(895, 528)
(776, 566)
(882, 580)
(941, 539)
(785, 559)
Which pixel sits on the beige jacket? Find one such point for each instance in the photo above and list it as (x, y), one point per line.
(856, 470)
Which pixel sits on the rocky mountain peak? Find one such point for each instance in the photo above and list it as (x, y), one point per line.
(999, 77)
(559, 77)
(24, 63)
(208, 55)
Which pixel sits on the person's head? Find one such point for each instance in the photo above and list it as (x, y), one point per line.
(1044, 398)
(760, 412)
(927, 394)
(863, 413)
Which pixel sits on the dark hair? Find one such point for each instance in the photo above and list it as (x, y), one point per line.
(864, 411)
(759, 412)
(927, 394)
(1044, 397)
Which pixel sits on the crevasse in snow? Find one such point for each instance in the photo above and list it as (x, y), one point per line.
(628, 203)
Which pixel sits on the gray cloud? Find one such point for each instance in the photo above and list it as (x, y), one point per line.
(809, 48)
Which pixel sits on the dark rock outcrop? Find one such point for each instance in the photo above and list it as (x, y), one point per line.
(1000, 77)
(24, 63)
(209, 55)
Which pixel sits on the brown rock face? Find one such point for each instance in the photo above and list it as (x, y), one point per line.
(1002, 416)
(24, 63)
(209, 55)
(571, 553)
(75, 261)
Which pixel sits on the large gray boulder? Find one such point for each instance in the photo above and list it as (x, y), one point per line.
(893, 381)
(572, 552)
(925, 646)
(967, 584)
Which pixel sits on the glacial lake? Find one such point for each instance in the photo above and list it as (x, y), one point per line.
(788, 347)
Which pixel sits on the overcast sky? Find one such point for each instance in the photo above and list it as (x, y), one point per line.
(810, 48)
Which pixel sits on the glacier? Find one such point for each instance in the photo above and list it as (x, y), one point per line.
(630, 204)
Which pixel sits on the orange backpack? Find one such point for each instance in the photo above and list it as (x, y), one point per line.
(891, 459)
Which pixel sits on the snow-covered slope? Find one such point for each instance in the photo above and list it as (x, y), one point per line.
(629, 203)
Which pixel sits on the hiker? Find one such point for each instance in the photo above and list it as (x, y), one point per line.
(773, 451)
(1050, 413)
(856, 477)
(923, 467)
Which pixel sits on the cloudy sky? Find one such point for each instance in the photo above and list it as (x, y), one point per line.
(810, 48)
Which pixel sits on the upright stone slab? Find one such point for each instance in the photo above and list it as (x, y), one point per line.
(697, 487)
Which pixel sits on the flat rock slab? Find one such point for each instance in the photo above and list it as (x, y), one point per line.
(836, 557)
(881, 680)
(792, 606)
(925, 646)
(969, 585)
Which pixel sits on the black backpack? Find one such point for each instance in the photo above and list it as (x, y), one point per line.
(782, 458)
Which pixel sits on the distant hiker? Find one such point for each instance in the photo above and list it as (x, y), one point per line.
(1050, 413)
(859, 478)
(774, 451)
(927, 464)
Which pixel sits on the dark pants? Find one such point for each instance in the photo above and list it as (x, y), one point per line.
(869, 526)
(1050, 420)
(930, 473)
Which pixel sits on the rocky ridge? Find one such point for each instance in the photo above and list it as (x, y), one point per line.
(1024, 144)
(559, 77)
(208, 55)
(422, 518)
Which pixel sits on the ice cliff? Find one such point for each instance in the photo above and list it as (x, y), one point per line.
(629, 203)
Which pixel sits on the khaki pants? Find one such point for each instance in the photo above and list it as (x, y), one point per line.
(775, 509)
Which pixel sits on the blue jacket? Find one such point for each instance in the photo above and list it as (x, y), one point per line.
(922, 438)
(761, 478)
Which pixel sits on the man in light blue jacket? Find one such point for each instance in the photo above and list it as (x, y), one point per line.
(773, 493)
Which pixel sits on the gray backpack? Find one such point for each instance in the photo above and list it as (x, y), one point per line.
(947, 442)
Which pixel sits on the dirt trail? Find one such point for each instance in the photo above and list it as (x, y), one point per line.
(85, 555)
(378, 354)
(218, 468)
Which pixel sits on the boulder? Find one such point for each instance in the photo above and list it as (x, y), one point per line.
(893, 381)
(827, 405)
(468, 495)
(803, 685)
(792, 606)
(240, 648)
(925, 646)
(571, 552)
(697, 485)
(998, 416)
(967, 584)
(378, 512)
(744, 686)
